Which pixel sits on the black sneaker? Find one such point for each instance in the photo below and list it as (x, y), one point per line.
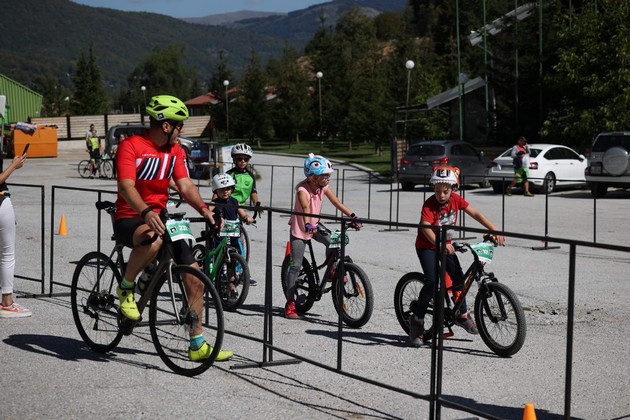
(253, 282)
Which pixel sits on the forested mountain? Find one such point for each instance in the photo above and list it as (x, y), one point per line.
(46, 37)
(229, 18)
(298, 27)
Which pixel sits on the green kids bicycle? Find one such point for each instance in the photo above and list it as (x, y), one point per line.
(224, 265)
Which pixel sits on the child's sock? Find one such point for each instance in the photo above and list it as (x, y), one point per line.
(196, 342)
(127, 284)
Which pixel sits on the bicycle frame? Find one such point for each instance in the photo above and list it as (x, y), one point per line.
(217, 255)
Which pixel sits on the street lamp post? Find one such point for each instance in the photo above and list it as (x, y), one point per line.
(461, 79)
(144, 96)
(409, 65)
(226, 83)
(319, 76)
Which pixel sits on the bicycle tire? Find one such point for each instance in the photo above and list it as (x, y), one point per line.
(503, 334)
(245, 243)
(235, 264)
(405, 297)
(84, 169)
(357, 303)
(306, 287)
(107, 169)
(94, 301)
(172, 321)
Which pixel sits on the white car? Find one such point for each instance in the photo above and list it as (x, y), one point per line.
(550, 165)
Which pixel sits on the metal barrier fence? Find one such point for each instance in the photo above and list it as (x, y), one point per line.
(42, 277)
(435, 397)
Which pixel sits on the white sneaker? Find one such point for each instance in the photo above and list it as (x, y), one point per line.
(14, 311)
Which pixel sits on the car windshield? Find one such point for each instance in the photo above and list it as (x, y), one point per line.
(426, 150)
(532, 153)
(606, 141)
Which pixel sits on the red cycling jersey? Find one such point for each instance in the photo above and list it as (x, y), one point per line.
(140, 160)
(437, 215)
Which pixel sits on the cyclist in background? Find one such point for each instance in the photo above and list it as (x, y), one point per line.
(308, 199)
(145, 164)
(93, 145)
(440, 210)
(244, 179)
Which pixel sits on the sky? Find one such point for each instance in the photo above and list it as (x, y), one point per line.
(200, 8)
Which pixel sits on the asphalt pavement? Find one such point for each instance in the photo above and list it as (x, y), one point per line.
(50, 372)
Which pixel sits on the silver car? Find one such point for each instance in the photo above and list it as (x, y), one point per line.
(609, 162)
(418, 162)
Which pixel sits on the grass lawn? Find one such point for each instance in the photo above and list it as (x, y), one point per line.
(362, 153)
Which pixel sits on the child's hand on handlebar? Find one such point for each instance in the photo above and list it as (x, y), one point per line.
(310, 228)
(450, 249)
(355, 222)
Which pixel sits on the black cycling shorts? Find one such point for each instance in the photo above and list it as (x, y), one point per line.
(124, 229)
(94, 154)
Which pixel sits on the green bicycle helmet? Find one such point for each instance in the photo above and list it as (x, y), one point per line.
(166, 107)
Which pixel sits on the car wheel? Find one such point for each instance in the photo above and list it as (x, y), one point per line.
(497, 187)
(407, 186)
(549, 183)
(598, 190)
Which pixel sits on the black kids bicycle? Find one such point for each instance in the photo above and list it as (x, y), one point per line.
(180, 299)
(351, 291)
(498, 313)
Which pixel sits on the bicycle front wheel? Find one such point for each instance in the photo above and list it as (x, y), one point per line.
(353, 297)
(107, 169)
(500, 319)
(244, 243)
(94, 302)
(405, 297)
(186, 306)
(232, 281)
(84, 169)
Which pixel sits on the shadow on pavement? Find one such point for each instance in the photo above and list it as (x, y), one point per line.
(501, 411)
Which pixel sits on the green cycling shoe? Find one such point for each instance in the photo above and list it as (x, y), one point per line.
(128, 305)
(204, 352)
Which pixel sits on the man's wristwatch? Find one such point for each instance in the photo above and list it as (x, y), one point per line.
(146, 211)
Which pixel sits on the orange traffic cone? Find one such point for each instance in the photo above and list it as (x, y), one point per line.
(63, 230)
(287, 251)
(529, 413)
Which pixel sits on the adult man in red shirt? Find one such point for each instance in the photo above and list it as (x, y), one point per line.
(145, 164)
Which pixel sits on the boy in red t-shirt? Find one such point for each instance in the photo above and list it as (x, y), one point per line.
(440, 210)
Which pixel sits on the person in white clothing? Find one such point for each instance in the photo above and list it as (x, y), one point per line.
(8, 308)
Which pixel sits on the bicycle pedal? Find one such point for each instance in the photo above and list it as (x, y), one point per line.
(126, 325)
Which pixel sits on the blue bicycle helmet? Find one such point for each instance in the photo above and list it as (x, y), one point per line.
(317, 165)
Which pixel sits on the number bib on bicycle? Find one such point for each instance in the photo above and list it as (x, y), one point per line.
(231, 228)
(484, 250)
(179, 229)
(335, 239)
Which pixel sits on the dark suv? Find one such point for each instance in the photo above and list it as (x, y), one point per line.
(418, 162)
(609, 162)
(136, 128)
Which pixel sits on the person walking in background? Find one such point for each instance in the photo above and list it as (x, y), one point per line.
(9, 308)
(90, 133)
(520, 159)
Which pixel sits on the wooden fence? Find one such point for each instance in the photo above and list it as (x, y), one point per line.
(75, 127)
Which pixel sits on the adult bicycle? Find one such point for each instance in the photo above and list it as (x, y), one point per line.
(225, 266)
(498, 313)
(104, 165)
(352, 294)
(180, 300)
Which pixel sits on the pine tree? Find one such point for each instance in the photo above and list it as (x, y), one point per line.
(89, 96)
(251, 110)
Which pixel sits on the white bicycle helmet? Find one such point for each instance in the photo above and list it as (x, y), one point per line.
(317, 165)
(445, 175)
(242, 149)
(222, 181)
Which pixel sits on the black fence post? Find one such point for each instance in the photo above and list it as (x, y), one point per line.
(369, 193)
(595, 218)
(52, 237)
(570, 326)
(43, 234)
(68, 129)
(338, 283)
(546, 246)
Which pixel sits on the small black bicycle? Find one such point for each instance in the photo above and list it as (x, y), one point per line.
(498, 313)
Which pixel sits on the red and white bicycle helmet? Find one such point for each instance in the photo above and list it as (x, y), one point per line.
(242, 149)
(222, 181)
(445, 175)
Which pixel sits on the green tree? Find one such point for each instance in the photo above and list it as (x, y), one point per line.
(89, 96)
(162, 73)
(291, 113)
(251, 111)
(592, 75)
(220, 73)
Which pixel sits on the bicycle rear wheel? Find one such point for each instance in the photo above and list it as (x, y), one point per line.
(107, 169)
(405, 297)
(176, 313)
(306, 287)
(234, 272)
(500, 319)
(353, 297)
(84, 169)
(94, 302)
